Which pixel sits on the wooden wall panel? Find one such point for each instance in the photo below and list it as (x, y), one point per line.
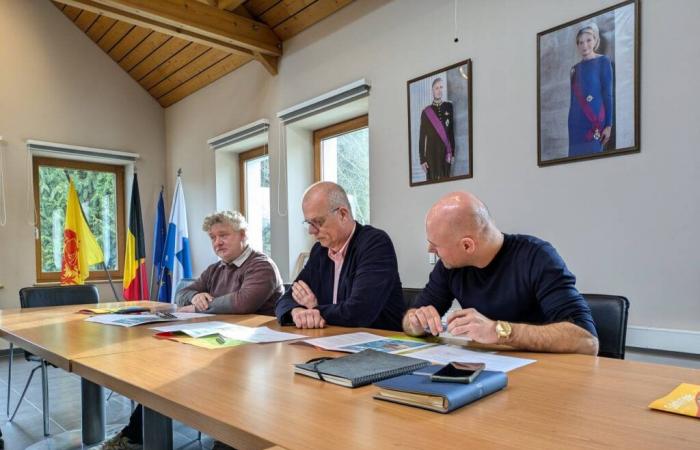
(114, 36)
(143, 50)
(71, 12)
(158, 57)
(100, 28)
(258, 7)
(283, 10)
(181, 59)
(131, 40)
(198, 65)
(307, 17)
(213, 73)
(85, 19)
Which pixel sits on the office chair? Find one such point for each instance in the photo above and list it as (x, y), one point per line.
(610, 314)
(36, 297)
(410, 295)
(183, 283)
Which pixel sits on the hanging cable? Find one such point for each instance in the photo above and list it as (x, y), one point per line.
(281, 148)
(3, 196)
(32, 221)
(455, 20)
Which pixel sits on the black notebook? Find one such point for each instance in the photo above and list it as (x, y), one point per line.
(359, 369)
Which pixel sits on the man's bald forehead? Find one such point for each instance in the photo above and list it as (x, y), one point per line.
(460, 212)
(330, 193)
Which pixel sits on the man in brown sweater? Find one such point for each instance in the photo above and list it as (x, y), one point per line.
(244, 281)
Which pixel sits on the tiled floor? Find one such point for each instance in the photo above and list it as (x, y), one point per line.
(65, 411)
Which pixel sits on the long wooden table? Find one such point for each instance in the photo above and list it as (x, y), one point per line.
(60, 335)
(249, 397)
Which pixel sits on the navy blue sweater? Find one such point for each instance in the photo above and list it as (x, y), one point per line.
(369, 289)
(527, 282)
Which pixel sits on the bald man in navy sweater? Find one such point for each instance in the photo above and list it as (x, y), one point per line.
(514, 289)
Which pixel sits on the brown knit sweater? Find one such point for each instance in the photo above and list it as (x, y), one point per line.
(252, 288)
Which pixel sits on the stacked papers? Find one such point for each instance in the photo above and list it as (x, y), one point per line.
(139, 319)
(257, 335)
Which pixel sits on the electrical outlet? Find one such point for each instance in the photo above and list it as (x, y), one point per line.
(432, 258)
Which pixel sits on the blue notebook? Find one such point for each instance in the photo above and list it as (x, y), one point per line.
(417, 390)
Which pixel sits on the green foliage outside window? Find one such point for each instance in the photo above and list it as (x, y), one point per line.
(265, 172)
(97, 194)
(353, 171)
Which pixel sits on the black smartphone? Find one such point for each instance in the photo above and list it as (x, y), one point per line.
(458, 372)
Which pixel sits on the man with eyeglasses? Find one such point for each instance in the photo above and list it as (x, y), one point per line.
(514, 289)
(351, 278)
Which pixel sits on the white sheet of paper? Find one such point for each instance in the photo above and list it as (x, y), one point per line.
(356, 342)
(334, 342)
(195, 330)
(130, 320)
(444, 354)
(259, 335)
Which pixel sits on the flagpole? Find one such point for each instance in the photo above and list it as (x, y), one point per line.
(153, 266)
(161, 272)
(163, 267)
(104, 266)
(109, 277)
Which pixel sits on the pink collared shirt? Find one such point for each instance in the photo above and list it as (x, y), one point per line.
(338, 258)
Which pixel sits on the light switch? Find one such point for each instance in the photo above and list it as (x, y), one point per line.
(432, 258)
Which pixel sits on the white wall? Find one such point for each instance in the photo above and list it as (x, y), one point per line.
(57, 85)
(624, 225)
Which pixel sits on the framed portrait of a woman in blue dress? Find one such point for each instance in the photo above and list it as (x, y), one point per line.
(588, 87)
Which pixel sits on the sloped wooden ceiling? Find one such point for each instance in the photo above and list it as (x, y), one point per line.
(173, 48)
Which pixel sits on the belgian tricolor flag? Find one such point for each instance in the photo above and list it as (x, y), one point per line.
(135, 278)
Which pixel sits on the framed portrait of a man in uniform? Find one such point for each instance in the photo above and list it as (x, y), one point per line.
(588, 86)
(440, 125)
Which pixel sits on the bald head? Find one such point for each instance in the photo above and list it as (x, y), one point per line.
(461, 231)
(461, 213)
(329, 194)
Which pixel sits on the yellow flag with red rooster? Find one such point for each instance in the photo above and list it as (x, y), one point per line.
(80, 248)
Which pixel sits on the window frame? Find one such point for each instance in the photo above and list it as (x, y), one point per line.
(118, 170)
(330, 131)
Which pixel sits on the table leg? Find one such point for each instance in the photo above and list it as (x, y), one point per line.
(93, 403)
(157, 431)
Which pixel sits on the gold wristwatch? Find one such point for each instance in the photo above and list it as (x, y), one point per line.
(503, 329)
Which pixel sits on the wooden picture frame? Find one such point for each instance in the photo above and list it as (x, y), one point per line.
(588, 86)
(440, 125)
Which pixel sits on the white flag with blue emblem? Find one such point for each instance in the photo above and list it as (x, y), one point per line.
(177, 246)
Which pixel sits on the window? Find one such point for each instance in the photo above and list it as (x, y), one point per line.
(341, 154)
(100, 189)
(254, 172)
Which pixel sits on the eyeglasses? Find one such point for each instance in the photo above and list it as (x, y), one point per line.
(318, 222)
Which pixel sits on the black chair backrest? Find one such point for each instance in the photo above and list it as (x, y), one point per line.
(610, 315)
(410, 295)
(36, 297)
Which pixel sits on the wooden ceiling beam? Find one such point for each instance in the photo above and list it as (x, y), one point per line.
(269, 62)
(193, 21)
